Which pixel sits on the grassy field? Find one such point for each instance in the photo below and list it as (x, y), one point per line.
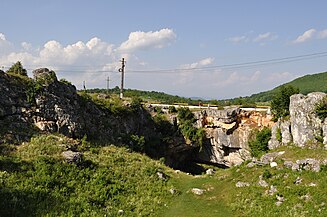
(36, 181)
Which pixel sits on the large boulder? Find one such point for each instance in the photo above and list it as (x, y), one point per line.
(305, 125)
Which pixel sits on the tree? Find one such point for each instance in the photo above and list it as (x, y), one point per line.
(281, 101)
(18, 69)
(259, 142)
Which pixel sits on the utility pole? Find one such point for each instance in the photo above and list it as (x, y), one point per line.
(108, 80)
(84, 86)
(122, 69)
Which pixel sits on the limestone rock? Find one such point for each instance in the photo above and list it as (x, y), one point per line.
(161, 176)
(210, 171)
(270, 157)
(273, 142)
(197, 191)
(309, 164)
(324, 132)
(305, 125)
(263, 183)
(272, 190)
(72, 157)
(273, 164)
(242, 184)
(172, 191)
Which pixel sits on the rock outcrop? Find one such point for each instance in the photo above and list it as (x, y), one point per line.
(44, 104)
(303, 127)
(228, 132)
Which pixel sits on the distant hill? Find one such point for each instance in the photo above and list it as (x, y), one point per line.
(306, 84)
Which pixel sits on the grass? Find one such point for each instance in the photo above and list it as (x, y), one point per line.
(36, 181)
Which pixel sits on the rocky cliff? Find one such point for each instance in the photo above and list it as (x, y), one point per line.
(303, 128)
(228, 132)
(45, 105)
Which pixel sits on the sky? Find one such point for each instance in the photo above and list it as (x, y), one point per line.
(189, 48)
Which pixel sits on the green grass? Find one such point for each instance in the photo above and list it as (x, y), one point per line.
(36, 181)
(214, 201)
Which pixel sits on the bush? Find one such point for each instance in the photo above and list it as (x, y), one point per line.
(172, 109)
(279, 135)
(321, 109)
(64, 81)
(258, 141)
(186, 125)
(17, 69)
(136, 103)
(137, 143)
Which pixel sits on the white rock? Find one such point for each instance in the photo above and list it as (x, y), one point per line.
(273, 164)
(242, 184)
(197, 191)
(210, 172)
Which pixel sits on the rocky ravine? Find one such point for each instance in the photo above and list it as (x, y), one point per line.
(228, 132)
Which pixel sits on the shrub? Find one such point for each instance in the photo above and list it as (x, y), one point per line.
(136, 103)
(18, 69)
(172, 109)
(258, 141)
(137, 142)
(266, 174)
(186, 125)
(64, 81)
(279, 135)
(321, 109)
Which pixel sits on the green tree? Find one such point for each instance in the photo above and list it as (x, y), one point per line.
(258, 141)
(281, 101)
(186, 126)
(18, 69)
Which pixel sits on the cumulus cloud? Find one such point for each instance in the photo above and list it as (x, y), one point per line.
(268, 36)
(322, 34)
(147, 40)
(26, 46)
(238, 39)
(200, 63)
(307, 35)
(5, 45)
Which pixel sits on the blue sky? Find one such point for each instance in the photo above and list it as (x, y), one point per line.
(84, 40)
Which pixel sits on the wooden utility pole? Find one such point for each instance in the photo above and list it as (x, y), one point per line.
(122, 69)
(84, 87)
(108, 85)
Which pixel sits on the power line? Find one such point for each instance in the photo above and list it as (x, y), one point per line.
(205, 68)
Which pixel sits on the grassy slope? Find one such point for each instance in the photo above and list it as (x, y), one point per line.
(306, 84)
(35, 181)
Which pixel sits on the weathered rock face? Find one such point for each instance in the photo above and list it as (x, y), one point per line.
(228, 132)
(56, 107)
(303, 127)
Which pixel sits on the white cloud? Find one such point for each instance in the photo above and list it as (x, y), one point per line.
(26, 46)
(201, 63)
(5, 45)
(268, 36)
(322, 34)
(2, 37)
(147, 40)
(280, 77)
(238, 39)
(307, 35)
